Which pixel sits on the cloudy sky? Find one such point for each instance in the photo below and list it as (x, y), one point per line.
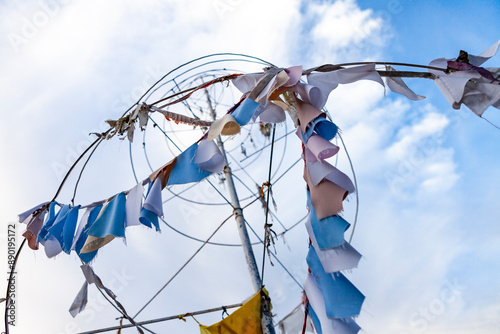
(427, 226)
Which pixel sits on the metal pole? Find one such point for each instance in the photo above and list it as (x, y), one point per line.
(253, 270)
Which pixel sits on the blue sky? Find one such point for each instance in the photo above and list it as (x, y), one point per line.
(430, 242)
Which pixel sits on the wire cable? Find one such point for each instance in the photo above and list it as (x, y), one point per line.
(172, 317)
(355, 185)
(267, 226)
(275, 257)
(182, 267)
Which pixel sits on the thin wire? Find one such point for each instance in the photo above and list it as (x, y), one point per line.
(185, 102)
(74, 164)
(283, 155)
(81, 172)
(217, 190)
(288, 315)
(7, 294)
(133, 323)
(224, 197)
(210, 243)
(289, 168)
(173, 317)
(157, 126)
(132, 161)
(494, 125)
(227, 244)
(200, 58)
(266, 226)
(378, 63)
(355, 185)
(285, 135)
(173, 193)
(258, 197)
(275, 257)
(242, 169)
(291, 227)
(182, 267)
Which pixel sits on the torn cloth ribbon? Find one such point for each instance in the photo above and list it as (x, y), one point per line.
(476, 87)
(48, 236)
(245, 320)
(329, 231)
(397, 85)
(109, 224)
(33, 219)
(87, 221)
(26, 216)
(321, 170)
(133, 205)
(64, 229)
(80, 300)
(343, 257)
(328, 81)
(312, 119)
(208, 157)
(185, 169)
(323, 324)
(244, 112)
(342, 299)
(326, 197)
(294, 322)
(153, 205)
(226, 125)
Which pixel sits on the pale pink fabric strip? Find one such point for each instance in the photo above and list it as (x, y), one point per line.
(326, 197)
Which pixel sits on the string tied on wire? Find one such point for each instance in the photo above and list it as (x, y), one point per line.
(270, 189)
(121, 324)
(224, 311)
(270, 235)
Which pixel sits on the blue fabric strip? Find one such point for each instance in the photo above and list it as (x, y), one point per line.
(57, 227)
(49, 221)
(87, 257)
(112, 220)
(185, 170)
(342, 298)
(325, 128)
(329, 231)
(153, 200)
(322, 127)
(315, 320)
(69, 230)
(149, 218)
(245, 111)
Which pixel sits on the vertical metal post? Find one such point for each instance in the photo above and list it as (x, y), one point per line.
(267, 326)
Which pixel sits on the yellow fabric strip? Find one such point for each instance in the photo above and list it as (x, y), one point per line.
(245, 320)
